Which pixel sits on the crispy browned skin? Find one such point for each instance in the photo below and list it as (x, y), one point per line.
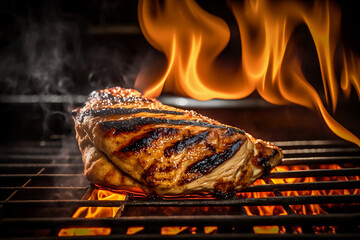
(130, 141)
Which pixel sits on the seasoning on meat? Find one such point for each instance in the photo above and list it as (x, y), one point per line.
(133, 142)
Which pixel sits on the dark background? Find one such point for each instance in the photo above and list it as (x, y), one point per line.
(67, 48)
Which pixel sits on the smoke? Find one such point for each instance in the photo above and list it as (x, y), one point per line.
(109, 68)
(47, 51)
(49, 58)
(43, 58)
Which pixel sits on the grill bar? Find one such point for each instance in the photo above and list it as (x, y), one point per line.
(42, 175)
(232, 236)
(49, 169)
(188, 203)
(351, 184)
(320, 160)
(313, 151)
(285, 162)
(307, 143)
(287, 208)
(39, 158)
(42, 165)
(188, 220)
(285, 174)
(42, 188)
(316, 173)
(304, 186)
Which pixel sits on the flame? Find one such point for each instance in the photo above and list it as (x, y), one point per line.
(308, 209)
(351, 74)
(172, 230)
(94, 212)
(134, 230)
(269, 62)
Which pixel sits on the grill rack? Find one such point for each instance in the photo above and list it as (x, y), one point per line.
(42, 184)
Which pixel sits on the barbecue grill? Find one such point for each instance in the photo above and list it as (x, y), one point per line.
(41, 188)
(312, 194)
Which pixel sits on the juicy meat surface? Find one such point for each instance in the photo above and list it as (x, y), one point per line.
(132, 142)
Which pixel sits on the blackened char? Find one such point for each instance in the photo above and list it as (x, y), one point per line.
(123, 111)
(209, 163)
(144, 141)
(186, 142)
(130, 125)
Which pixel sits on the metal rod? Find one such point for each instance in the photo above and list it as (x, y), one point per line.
(121, 208)
(44, 188)
(208, 220)
(315, 173)
(42, 175)
(31, 99)
(214, 103)
(267, 201)
(285, 174)
(41, 151)
(304, 143)
(88, 193)
(326, 185)
(286, 207)
(320, 160)
(314, 151)
(37, 158)
(42, 165)
(231, 236)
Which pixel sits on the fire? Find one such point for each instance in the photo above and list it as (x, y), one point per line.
(269, 61)
(308, 209)
(193, 40)
(94, 212)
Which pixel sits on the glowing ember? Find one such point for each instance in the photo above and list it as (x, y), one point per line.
(210, 229)
(267, 229)
(269, 62)
(133, 230)
(269, 65)
(307, 209)
(172, 230)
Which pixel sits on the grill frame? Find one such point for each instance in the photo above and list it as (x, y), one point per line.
(45, 158)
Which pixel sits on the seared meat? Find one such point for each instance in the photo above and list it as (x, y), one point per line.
(129, 141)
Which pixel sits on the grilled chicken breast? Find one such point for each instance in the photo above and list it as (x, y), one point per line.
(129, 141)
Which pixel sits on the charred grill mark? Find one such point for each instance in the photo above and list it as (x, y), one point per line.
(211, 147)
(209, 163)
(263, 160)
(230, 132)
(150, 173)
(123, 111)
(145, 140)
(184, 143)
(224, 189)
(131, 125)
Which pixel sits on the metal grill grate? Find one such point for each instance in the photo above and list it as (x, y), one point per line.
(42, 185)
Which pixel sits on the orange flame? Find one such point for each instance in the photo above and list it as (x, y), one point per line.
(308, 209)
(94, 212)
(192, 40)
